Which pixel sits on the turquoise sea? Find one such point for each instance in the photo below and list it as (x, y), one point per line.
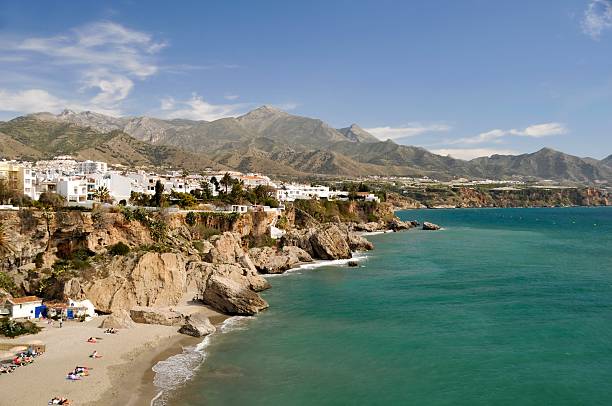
(502, 307)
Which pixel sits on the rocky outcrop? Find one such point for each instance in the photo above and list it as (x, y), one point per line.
(326, 241)
(197, 325)
(151, 315)
(272, 260)
(152, 279)
(229, 296)
(359, 243)
(398, 225)
(430, 226)
(120, 319)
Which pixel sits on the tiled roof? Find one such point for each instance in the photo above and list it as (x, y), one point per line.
(25, 299)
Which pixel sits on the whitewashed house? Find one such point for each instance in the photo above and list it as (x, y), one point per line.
(73, 189)
(28, 307)
(292, 192)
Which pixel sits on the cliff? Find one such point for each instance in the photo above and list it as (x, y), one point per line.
(126, 259)
(464, 197)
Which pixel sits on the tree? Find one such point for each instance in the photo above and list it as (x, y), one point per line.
(215, 182)
(102, 195)
(226, 181)
(7, 195)
(51, 200)
(237, 194)
(158, 197)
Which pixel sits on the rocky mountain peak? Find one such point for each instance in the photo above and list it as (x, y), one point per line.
(265, 111)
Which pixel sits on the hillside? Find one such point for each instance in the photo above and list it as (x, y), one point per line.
(32, 138)
(544, 164)
(271, 141)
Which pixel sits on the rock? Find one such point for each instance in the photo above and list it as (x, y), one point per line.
(271, 260)
(297, 254)
(120, 319)
(430, 226)
(226, 249)
(197, 325)
(325, 241)
(397, 225)
(353, 263)
(227, 295)
(368, 227)
(359, 243)
(152, 315)
(152, 279)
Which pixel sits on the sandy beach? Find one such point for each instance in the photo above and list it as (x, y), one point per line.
(127, 357)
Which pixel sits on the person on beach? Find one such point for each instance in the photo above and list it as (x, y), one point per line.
(91, 340)
(95, 355)
(61, 322)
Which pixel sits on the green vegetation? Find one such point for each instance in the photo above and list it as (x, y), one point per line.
(12, 328)
(51, 200)
(120, 248)
(336, 211)
(8, 284)
(260, 241)
(153, 222)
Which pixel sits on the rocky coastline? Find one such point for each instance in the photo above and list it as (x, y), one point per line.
(69, 254)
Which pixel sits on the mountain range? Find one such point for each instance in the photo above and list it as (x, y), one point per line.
(271, 141)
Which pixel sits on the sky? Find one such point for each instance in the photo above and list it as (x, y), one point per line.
(464, 78)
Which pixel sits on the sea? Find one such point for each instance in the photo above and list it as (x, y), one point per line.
(500, 307)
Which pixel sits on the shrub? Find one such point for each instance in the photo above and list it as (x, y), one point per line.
(12, 328)
(119, 249)
(7, 283)
(191, 218)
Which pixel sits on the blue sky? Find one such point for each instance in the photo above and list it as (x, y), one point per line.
(466, 78)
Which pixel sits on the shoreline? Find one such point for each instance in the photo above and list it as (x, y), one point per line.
(224, 326)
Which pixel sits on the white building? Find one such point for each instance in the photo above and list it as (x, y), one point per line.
(28, 307)
(251, 180)
(73, 189)
(119, 186)
(292, 192)
(90, 167)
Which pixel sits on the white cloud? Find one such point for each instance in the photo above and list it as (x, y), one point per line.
(231, 97)
(597, 18)
(112, 87)
(30, 101)
(104, 56)
(99, 44)
(541, 130)
(411, 130)
(197, 108)
(471, 153)
(533, 131)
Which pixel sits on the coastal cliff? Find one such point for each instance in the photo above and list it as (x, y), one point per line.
(124, 259)
(436, 196)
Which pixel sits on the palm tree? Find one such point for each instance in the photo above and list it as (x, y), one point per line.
(226, 181)
(102, 194)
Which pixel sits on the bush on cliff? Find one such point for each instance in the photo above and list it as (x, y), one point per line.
(119, 249)
(7, 283)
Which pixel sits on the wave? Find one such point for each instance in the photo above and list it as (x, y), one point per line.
(175, 371)
(178, 369)
(357, 257)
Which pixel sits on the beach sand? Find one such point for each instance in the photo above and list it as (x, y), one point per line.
(123, 376)
(127, 355)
